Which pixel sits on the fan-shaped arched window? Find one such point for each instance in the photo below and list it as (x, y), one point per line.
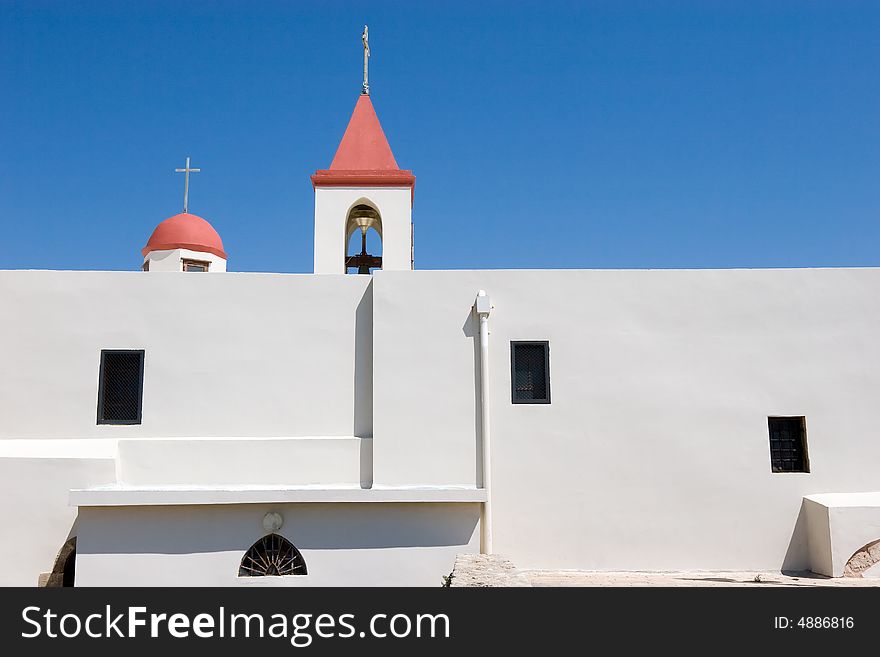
(272, 555)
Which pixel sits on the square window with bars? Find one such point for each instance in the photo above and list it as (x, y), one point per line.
(121, 386)
(530, 372)
(788, 444)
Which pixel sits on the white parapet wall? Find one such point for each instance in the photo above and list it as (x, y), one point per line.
(267, 461)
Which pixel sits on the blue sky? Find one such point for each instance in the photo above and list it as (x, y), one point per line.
(542, 135)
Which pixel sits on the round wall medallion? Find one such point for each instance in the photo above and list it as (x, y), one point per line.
(272, 521)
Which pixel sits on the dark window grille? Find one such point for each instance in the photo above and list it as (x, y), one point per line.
(120, 387)
(530, 372)
(788, 444)
(196, 265)
(272, 555)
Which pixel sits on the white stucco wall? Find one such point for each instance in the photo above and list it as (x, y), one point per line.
(654, 454)
(265, 461)
(34, 512)
(260, 355)
(332, 205)
(342, 544)
(243, 355)
(172, 260)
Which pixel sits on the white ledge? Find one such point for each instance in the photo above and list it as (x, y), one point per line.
(867, 499)
(120, 495)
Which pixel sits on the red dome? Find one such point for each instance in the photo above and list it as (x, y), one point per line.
(185, 231)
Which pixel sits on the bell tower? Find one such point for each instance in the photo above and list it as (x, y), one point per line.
(363, 190)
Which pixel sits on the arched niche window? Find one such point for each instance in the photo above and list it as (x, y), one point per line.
(361, 218)
(272, 555)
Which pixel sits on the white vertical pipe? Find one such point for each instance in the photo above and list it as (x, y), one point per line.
(483, 308)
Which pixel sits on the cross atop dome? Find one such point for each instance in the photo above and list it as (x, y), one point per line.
(186, 170)
(184, 242)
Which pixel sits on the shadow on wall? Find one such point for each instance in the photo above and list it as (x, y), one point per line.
(366, 462)
(363, 366)
(331, 526)
(797, 557)
(471, 329)
(363, 383)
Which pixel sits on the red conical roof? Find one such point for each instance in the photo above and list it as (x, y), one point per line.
(364, 146)
(364, 157)
(185, 231)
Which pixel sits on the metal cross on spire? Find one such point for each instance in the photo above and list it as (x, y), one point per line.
(186, 171)
(365, 39)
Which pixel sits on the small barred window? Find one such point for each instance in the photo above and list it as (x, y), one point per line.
(530, 372)
(120, 386)
(788, 444)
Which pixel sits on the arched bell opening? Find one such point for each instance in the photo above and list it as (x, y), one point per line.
(362, 218)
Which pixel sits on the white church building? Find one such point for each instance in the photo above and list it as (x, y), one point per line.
(366, 423)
